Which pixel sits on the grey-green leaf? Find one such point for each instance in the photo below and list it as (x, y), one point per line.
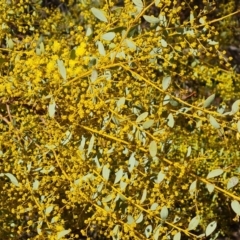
(105, 172)
(215, 173)
(153, 148)
(164, 213)
(62, 69)
(210, 228)
(151, 19)
(166, 82)
(194, 223)
(208, 101)
(177, 236)
(100, 14)
(170, 120)
(148, 231)
(13, 179)
(108, 36)
(214, 122)
(235, 207)
(62, 233)
(119, 175)
(232, 182)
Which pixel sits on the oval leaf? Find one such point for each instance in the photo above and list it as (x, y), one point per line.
(233, 181)
(130, 44)
(119, 175)
(210, 187)
(151, 19)
(235, 107)
(163, 43)
(208, 101)
(109, 36)
(214, 122)
(194, 223)
(101, 48)
(160, 177)
(13, 179)
(105, 172)
(62, 69)
(148, 231)
(140, 218)
(193, 187)
(52, 109)
(154, 206)
(48, 209)
(235, 207)
(35, 185)
(166, 82)
(215, 173)
(170, 121)
(153, 148)
(62, 233)
(91, 144)
(100, 14)
(164, 213)
(144, 196)
(210, 228)
(177, 236)
(131, 162)
(148, 124)
(141, 117)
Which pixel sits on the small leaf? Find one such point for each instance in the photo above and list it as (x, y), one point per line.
(157, 2)
(141, 117)
(193, 187)
(208, 101)
(35, 184)
(62, 233)
(139, 218)
(235, 207)
(233, 181)
(67, 138)
(100, 14)
(144, 196)
(91, 144)
(101, 48)
(177, 236)
(214, 122)
(210, 187)
(121, 102)
(62, 69)
(105, 172)
(13, 179)
(194, 223)
(163, 43)
(131, 162)
(238, 125)
(148, 231)
(108, 36)
(160, 177)
(170, 120)
(153, 148)
(108, 198)
(189, 151)
(48, 210)
(235, 107)
(166, 83)
(214, 173)
(210, 228)
(130, 44)
(154, 206)
(151, 19)
(119, 175)
(52, 108)
(164, 213)
(130, 219)
(148, 124)
(94, 75)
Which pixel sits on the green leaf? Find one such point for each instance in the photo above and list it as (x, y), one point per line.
(160, 177)
(108, 198)
(130, 44)
(235, 107)
(214, 122)
(151, 19)
(164, 213)
(109, 36)
(67, 138)
(131, 162)
(35, 184)
(157, 2)
(148, 231)
(63, 233)
(116, 233)
(167, 98)
(94, 75)
(177, 236)
(148, 124)
(210, 228)
(154, 206)
(189, 150)
(210, 187)
(99, 14)
(235, 207)
(139, 218)
(208, 101)
(214, 173)
(62, 69)
(194, 223)
(91, 144)
(106, 172)
(238, 125)
(13, 179)
(166, 83)
(163, 43)
(170, 120)
(141, 117)
(49, 209)
(193, 187)
(52, 108)
(130, 219)
(139, 5)
(156, 232)
(153, 148)
(119, 175)
(232, 182)
(144, 195)
(101, 48)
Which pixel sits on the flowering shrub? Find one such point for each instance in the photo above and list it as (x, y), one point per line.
(117, 119)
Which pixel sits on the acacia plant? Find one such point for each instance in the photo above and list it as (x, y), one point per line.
(118, 119)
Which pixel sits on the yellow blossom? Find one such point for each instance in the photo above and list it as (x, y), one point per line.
(56, 46)
(81, 49)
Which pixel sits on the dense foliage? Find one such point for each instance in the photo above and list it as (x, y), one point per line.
(118, 119)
